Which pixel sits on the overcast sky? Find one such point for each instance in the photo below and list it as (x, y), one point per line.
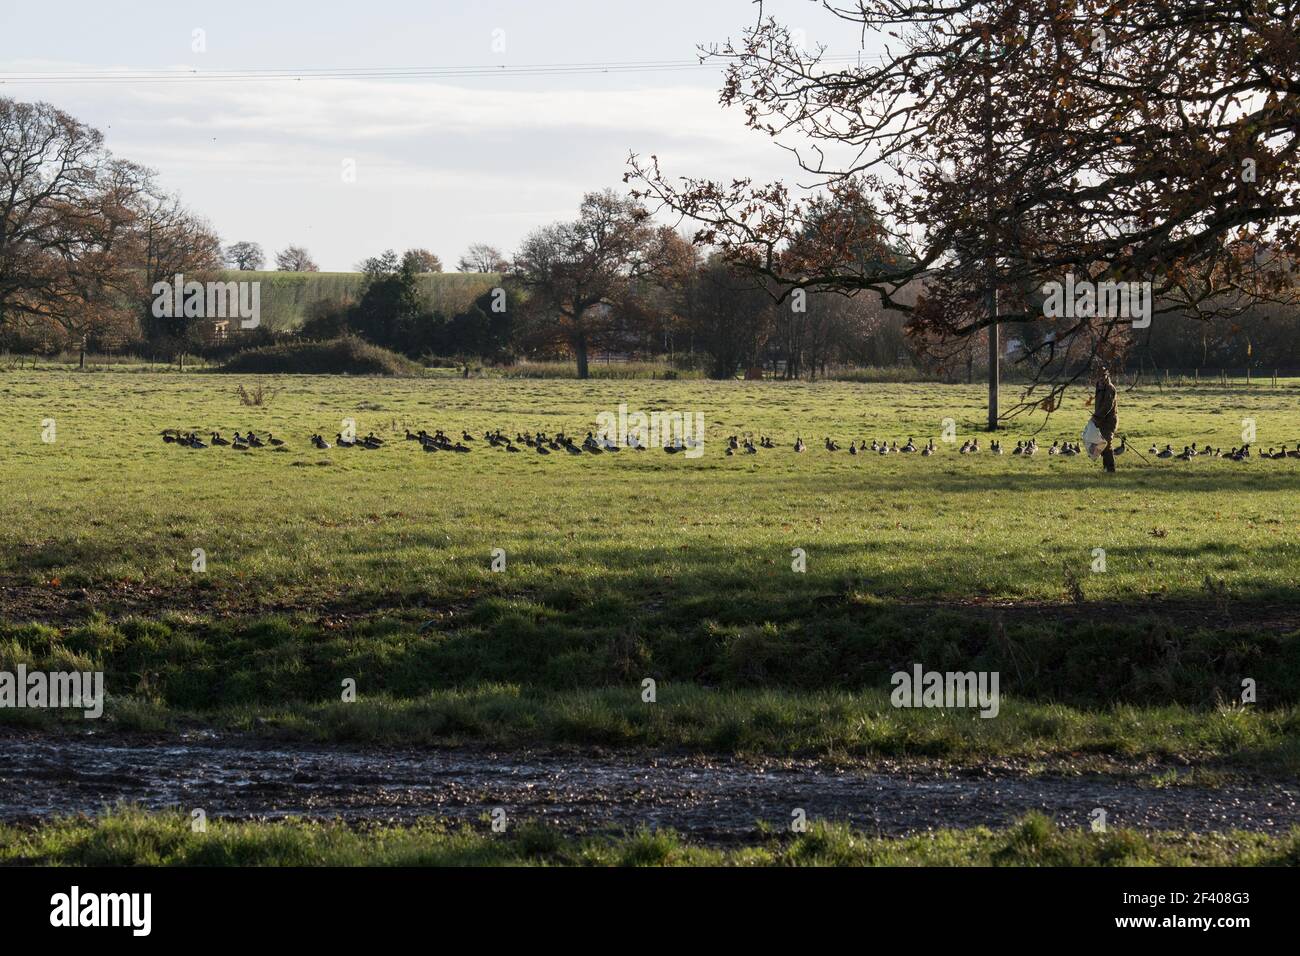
(439, 162)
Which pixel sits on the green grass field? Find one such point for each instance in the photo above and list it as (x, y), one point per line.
(132, 838)
(376, 566)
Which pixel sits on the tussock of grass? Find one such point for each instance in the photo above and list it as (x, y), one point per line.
(130, 837)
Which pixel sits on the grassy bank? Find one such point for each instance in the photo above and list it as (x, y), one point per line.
(829, 725)
(134, 838)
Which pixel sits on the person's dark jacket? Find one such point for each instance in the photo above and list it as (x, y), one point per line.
(1105, 409)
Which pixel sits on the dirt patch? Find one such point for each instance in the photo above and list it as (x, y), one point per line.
(712, 800)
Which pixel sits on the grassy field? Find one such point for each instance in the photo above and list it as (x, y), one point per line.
(377, 566)
(133, 838)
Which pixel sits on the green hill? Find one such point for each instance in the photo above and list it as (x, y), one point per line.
(287, 295)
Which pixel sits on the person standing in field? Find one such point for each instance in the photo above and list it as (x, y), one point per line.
(1105, 414)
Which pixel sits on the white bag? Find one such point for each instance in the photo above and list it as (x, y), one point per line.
(1093, 440)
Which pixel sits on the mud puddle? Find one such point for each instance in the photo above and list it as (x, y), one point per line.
(711, 800)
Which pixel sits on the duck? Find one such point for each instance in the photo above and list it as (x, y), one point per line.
(1166, 452)
(909, 447)
(218, 440)
(319, 442)
(1153, 450)
(1186, 454)
(928, 450)
(340, 441)
(254, 441)
(831, 446)
(799, 445)
(853, 448)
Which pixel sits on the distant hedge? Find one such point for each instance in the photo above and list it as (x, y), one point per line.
(343, 356)
(288, 297)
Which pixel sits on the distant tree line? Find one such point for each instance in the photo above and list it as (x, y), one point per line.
(84, 236)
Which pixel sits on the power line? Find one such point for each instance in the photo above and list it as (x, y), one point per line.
(64, 77)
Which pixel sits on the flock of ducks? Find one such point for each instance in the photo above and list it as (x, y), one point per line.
(240, 442)
(1235, 454)
(542, 443)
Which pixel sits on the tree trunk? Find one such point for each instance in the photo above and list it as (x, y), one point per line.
(82, 362)
(580, 352)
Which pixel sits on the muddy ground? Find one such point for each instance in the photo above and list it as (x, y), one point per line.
(712, 800)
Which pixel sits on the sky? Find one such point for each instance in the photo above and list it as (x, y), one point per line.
(350, 166)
